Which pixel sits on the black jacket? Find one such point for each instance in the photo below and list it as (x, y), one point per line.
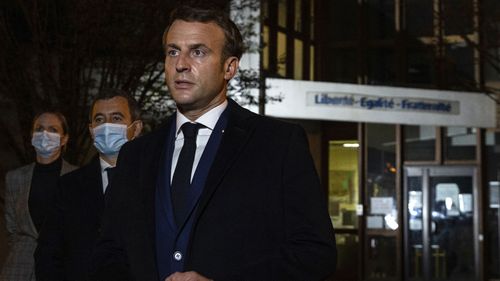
(70, 232)
(262, 214)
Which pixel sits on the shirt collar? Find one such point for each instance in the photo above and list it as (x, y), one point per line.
(209, 119)
(104, 165)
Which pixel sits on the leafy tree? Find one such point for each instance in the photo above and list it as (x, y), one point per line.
(60, 54)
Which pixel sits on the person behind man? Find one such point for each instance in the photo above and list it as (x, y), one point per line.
(30, 193)
(218, 192)
(70, 233)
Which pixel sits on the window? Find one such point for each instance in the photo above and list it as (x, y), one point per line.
(419, 17)
(460, 143)
(419, 143)
(381, 22)
(282, 13)
(289, 49)
(492, 205)
(298, 68)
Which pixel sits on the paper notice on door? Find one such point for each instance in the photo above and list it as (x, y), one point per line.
(374, 222)
(415, 224)
(465, 201)
(381, 205)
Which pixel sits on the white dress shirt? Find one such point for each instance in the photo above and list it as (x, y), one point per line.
(209, 120)
(104, 174)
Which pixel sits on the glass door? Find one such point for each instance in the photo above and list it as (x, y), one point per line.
(343, 190)
(440, 226)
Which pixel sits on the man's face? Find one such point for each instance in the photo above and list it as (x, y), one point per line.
(195, 74)
(114, 110)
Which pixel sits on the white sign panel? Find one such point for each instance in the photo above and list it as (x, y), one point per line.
(381, 205)
(374, 222)
(380, 104)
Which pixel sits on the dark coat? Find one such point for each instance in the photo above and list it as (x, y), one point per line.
(22, 233)
(69, 235)
(261, 216)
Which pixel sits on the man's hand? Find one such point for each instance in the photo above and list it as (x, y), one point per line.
(187, 276)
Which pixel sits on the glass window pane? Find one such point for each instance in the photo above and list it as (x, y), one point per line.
(420, 66)
(452, 242)
(492, 155)
(381, 177)
(381, 258)
(311, 63)
(298, 15)
(420, 143)
(381, 22)
(415, 226)
(311, 18)
(347, 256)
(490, 23)
(343, 15)
(460, 143)
(419, 17)
(458, 16)
(460, 66)
(265, 49)
(342, 65)
(282, 12)
(343, 183)
(265, 9)
(281, 52)
(491, 71)
(298, 67)
(382, 67)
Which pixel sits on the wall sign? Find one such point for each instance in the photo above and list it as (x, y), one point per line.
(379, 104)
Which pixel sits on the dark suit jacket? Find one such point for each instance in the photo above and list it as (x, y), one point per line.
(69, 235)
(262, 214)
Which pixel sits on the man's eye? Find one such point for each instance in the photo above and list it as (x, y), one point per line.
(198, 53)
(117, 118)
(172, 53)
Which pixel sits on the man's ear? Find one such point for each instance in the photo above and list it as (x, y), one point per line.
(137, 128)
(231, 67)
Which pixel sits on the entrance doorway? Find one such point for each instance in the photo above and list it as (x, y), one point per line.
(440, 223)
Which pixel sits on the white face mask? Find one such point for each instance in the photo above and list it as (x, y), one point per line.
(109, 138)
(46, 143)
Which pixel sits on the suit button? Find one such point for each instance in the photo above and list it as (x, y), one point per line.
(177, 255)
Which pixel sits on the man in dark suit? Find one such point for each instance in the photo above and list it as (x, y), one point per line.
(67, 238)
(246, 204)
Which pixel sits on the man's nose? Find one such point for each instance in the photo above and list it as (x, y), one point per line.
(182, 63)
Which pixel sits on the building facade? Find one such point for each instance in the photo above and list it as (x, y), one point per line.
(413, 185)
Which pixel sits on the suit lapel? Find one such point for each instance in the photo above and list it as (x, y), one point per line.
(26, 185)
(93, 180)
(235, 137)
(154, 166)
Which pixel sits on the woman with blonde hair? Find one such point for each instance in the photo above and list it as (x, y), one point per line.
(30, 192)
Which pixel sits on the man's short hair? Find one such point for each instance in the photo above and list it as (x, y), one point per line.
(108, 93)
(233, 40)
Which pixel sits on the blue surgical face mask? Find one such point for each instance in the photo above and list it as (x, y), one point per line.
(109, 138)
(46, 143)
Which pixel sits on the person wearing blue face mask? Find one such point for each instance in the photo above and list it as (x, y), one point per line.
(66, 242)
(30, 193)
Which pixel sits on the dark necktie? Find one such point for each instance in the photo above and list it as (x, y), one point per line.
(181, 181)
(110, 171)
